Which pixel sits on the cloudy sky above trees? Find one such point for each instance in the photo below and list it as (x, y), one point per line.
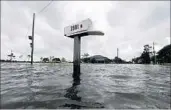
(128, 25)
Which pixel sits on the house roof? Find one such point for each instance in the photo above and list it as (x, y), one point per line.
(98, 57)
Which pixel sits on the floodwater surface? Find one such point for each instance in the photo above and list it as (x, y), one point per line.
(100, 86)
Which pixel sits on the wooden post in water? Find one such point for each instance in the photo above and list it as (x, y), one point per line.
(76, 58)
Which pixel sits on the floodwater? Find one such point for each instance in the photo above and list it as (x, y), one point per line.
(100, 86)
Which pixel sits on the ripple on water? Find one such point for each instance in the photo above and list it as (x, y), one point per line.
(101, 86)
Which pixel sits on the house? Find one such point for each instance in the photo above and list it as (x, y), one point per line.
(99, 59)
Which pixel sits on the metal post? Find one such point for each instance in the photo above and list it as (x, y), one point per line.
(32, 49)
(76, 60)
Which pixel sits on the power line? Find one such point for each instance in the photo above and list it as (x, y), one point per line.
(45, 7)
(38, 13)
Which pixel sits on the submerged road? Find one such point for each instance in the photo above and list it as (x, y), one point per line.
(100, 86)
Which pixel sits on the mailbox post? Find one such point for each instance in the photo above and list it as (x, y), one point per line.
(77, 31)
(76, 60)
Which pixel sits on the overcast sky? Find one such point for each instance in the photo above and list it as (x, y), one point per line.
(128, 25)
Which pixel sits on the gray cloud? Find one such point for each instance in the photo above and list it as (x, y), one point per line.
(127, 26)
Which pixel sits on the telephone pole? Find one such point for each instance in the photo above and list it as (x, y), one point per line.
(117, 56)
(117, 52)
(32, 39)
(154, 54)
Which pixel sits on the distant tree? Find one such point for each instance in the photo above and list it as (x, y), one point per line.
(93, 60)
(41, 59)
(11, 56)
(56, 60)
(137, 60)
(147, 48)
(45, 59)
(85, 58)
(153, 59)
(164, 55)
(107, 60)
(85, 55)
(145, 56)
(118, 60)
(63, 59)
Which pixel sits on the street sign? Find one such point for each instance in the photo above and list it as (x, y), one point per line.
(76, 31)
(77, 28)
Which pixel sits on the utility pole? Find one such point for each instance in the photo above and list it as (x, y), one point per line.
(154, 54)
(32, 39)
(117, 52)
(117, 55)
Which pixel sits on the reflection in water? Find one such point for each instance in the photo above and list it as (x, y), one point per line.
(72, 92)
(29, 77)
